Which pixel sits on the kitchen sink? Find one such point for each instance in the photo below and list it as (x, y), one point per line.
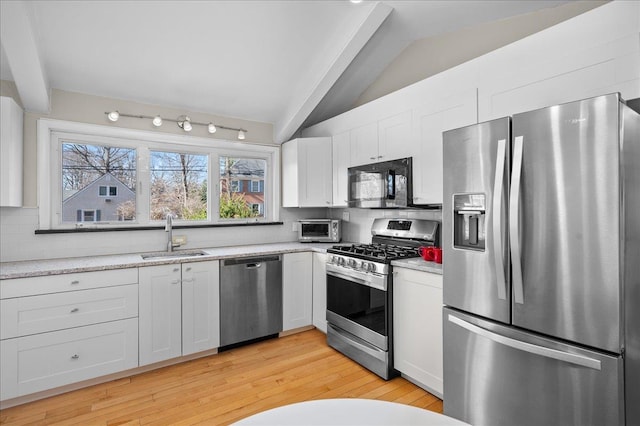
(173, 255)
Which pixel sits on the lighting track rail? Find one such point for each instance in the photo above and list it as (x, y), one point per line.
(183, 121)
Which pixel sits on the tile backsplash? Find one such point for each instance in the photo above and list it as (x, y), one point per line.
(358, 227)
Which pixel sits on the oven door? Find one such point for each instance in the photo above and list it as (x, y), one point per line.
(359, 305)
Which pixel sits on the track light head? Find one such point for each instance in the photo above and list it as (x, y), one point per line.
(113, 116)
(157, 121)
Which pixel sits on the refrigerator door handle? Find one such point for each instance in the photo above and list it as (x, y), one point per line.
(497, 216)
(580, 360)
(514, 221)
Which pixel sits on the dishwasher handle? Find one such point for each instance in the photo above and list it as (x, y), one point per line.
(251, 262)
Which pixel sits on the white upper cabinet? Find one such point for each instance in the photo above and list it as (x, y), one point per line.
(341, 151)
(307, 173)
(11, 119)
(364, 144)
(429, 121)
(394, 137)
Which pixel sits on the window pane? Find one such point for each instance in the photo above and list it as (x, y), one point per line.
(178, 185)
(113, 191)
(237, 200)
(87, 172)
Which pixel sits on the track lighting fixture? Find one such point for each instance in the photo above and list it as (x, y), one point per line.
(184, 122)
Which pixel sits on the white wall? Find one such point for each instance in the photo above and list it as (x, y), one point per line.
(18, 225)
(358, 228)
(429, 56)
(19, 241)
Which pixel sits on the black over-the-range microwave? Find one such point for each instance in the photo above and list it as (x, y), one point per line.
(387, 184)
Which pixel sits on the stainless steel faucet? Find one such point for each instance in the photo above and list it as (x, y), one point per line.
(168, 228)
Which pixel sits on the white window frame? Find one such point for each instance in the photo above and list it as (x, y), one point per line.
(234, 188)
(251, 186)
(52, 132)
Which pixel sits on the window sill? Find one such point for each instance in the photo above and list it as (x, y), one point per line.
(149, 228)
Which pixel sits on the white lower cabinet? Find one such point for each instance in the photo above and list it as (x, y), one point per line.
(44, 361)
(60, 329)
(417, 327)
(179, 310)
(320, 291)
(297, 290)
(200, 306)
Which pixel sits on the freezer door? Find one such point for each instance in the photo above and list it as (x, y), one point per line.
(564, 222)
(497, 375)
(474, 238)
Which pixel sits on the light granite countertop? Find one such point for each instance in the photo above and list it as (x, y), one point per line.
(36, 268)
(419, 264)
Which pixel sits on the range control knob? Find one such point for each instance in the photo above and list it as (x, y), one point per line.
(341, 261)
(352, 263)
(372, 267)
(364, 266)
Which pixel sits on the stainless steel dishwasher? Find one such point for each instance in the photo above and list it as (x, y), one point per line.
(250, 298)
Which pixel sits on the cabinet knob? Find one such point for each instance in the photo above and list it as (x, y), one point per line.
(74, 310)
(75, 356)
(372, 158)
(379, 156)
(75, 282)
(176, 269)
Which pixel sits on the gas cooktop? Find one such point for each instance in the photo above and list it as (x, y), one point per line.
(376, 251)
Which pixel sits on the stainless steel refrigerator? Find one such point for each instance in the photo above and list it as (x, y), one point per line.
(541, 264)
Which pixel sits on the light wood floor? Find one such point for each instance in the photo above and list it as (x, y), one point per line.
(223, 388)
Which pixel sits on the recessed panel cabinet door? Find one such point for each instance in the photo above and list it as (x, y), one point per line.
(428, 123)
(200, 306)
(160, 313)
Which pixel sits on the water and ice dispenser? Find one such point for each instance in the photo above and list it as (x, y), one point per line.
(469, 221)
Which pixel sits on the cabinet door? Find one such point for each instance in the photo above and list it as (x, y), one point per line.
(200, 306)
(417, 327)
(394, 137)
(315, 173)
(297, 290)
(429, 122)
(320, 291)
(341, 152)
(160, 313)
(11, 119)
(364, 144)
(290, 168)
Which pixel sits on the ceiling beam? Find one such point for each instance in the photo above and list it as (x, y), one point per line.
(304, 104)
(19, 43)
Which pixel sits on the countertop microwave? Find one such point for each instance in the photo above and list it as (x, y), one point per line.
(320, 231)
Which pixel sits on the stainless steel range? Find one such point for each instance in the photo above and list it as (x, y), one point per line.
(360, 290)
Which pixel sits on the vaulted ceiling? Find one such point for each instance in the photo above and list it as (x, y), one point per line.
(271, 61)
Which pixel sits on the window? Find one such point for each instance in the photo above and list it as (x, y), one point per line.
(236, 186)
(115, 177)
(179, 185)
(90, 173)
(88, 215)
(108, 191)
(234, 202)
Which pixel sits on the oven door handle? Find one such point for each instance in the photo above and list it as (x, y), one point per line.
(335, 272)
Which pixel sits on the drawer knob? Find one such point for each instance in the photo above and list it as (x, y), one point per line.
(75, 282)
(74, 310)
(75, 356)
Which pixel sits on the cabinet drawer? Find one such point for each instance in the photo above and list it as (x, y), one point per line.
(418, 277)
(45, 361)
(23, 316)
(67, 282)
